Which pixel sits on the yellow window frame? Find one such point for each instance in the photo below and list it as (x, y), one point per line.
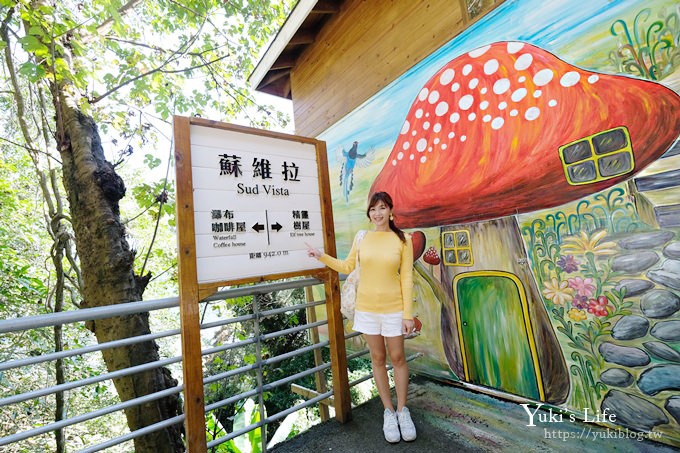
(456, 248)
(595, 158)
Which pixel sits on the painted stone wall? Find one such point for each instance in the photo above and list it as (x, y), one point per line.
(535, 161)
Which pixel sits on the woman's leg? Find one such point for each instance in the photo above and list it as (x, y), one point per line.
(395, 346)
(376, 346)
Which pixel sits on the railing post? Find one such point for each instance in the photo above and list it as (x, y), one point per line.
(319, 378)
(336, 337)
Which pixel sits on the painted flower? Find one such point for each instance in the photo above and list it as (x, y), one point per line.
(558, 292)
(580, 302)
(599, 307)
(577, 315)
(568, 264)
(582, 244)
(582, 287)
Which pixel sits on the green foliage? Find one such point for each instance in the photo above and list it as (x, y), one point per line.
(651, 50)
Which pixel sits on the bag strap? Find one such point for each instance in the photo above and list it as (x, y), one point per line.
(359, 237)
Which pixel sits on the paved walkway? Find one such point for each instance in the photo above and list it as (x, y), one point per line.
(451, 419)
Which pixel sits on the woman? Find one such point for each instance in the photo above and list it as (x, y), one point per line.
(383, 306)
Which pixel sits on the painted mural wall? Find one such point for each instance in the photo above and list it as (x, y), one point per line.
(535, 161)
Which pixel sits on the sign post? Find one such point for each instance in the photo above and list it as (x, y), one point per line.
(247, 202)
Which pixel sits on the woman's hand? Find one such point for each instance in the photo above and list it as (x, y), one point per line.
(313, 252)
(408, 327)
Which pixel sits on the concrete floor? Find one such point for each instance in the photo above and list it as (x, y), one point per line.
(452, 419)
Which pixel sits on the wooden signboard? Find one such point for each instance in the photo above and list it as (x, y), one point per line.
(247, 202)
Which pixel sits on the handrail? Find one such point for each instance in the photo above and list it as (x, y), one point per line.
(8, 326)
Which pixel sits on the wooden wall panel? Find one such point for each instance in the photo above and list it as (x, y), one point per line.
(363, 49)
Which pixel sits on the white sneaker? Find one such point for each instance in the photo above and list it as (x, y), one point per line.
(391, 427)
(408, 429)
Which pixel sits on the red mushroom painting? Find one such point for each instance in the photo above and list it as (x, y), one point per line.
(510, 128)
(505, 129)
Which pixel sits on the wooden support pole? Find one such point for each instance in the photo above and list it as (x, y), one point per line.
(319, 377)
(336, 336)
(192, 365)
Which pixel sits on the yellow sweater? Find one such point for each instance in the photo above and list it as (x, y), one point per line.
(385, 272)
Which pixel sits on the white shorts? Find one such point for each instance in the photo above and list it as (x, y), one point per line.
(387, 325)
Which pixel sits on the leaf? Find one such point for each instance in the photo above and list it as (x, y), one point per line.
(151, 161)
(32, 44)
(31, 72)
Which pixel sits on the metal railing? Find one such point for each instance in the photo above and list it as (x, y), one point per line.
(13, 326)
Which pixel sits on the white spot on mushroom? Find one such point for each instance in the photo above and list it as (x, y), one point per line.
(593, 78)
(479, 52)
(400, 156)
(543, 77)
(413, 133)
(441, 109)
(538, 93)
(454, 117)
(501, 86)
(421, 145)
(455, 87)
(473, 83)
(513, 112)
(524, 61)
(497, 123)
(483, 105)
(570, 79)
(437, 127)
(406, 145)
(552, 103)
(532, 113)
(426, 125)
(518, 94)
(486, 118)
(446, 77)
(405, 127)
(444, 146)
(436, 142)
(521, 79)
(433, 97)
(491, 66)
(411, 157)
(472, 116)
(423, 94)
(466, 102)
(483, 90)
(502, 105)
(514, 47)
(451, 134)
(394, 162)
(423, 159)
(467, 69)
(463, 138)
(419, 113)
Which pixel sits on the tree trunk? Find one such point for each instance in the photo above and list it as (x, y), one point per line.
(94, 189)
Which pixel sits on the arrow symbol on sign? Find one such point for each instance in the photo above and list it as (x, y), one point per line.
(258, 227)
(276, 227)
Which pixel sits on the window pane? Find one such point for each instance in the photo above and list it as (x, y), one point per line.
(583, 172)
(610, 141)
(448, 240)
(450, 257)
(615, 164)
(464, 257)
(576, 152)
(462, 240)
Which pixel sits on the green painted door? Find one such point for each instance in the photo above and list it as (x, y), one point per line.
(495, 340)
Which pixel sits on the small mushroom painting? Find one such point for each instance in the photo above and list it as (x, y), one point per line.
(539, 178)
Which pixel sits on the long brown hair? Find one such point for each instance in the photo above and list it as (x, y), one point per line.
(385, 198)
